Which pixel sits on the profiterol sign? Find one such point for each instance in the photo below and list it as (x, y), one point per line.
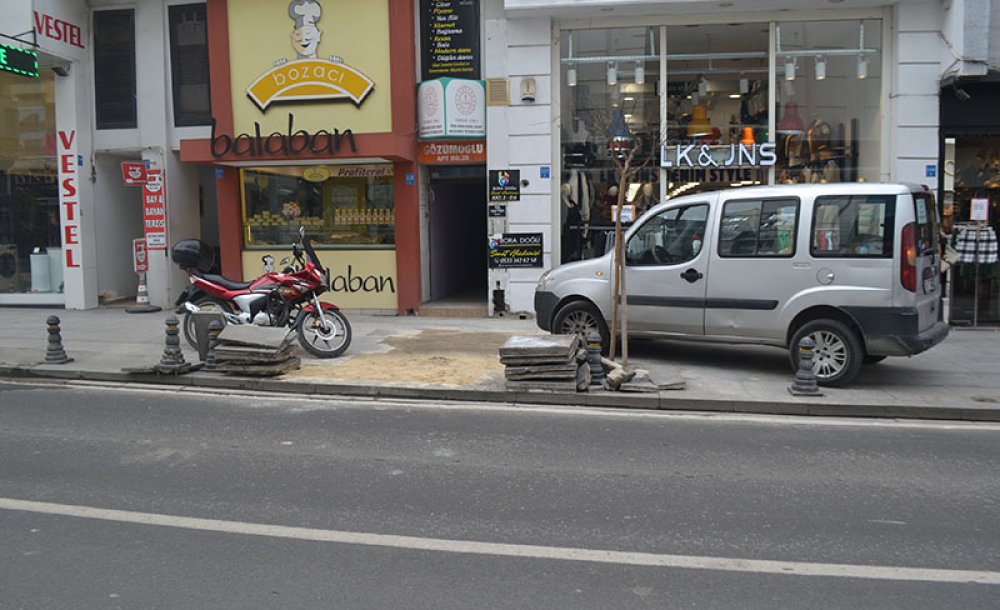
(277, 144)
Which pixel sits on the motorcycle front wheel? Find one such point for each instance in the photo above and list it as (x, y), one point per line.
(329, 342)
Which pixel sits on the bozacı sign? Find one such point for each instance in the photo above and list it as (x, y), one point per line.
(308, 77)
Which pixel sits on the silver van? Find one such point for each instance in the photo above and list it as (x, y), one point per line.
(854, 266)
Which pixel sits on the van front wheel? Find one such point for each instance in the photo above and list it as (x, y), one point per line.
(581, 318)
(838, 354)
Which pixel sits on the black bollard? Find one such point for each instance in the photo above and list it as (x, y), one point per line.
(805, 378)
(214, 328)
(172, 361)
(54, 353)
(594, 359)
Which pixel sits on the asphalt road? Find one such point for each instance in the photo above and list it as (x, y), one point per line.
(115, 498)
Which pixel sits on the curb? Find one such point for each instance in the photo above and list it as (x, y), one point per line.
(602, 398)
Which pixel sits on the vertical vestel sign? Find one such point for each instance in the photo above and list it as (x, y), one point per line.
(449, 38)
(69, 198)
(154, 210)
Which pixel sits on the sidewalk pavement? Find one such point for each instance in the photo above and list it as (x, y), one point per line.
(421, 357)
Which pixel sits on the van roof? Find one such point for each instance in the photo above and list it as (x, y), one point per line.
(846, 188)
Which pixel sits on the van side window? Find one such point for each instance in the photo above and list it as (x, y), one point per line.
(671, 237)
(853, 226)
(758, 228)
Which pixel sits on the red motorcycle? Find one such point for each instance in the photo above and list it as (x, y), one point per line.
(286, 299)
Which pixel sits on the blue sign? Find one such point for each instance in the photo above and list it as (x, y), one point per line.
(411, 179)
(930, 171)
(219, 173)
(545, 171)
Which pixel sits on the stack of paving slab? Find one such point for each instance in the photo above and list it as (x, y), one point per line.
(552, 362)
(259, 351)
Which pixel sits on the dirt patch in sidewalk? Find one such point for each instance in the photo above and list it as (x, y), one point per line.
(442, 357)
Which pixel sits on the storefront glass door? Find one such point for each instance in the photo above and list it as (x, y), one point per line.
(971, 223)
(30, 254)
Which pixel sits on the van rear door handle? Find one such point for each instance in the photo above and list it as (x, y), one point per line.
(692, 276)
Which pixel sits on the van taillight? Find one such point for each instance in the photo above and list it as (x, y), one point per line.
(908, 258)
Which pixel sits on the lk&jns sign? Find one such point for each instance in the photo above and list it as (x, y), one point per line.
(705, 156)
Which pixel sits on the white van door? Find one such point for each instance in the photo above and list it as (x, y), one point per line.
(666, 264)
(756, 267)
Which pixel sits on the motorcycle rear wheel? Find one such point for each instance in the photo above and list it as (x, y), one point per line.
(208, 305)
(322, 343)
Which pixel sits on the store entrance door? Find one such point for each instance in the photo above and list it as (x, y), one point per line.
(457, 237)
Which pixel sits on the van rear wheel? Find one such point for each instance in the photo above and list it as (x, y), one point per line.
(582, 318)
(838, 354)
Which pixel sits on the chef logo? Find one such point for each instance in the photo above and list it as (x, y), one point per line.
(307, 77)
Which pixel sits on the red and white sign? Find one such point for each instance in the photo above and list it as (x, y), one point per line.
(133, 173)
(154, 210)
(58, 30)
(140, 263)
(69, 197)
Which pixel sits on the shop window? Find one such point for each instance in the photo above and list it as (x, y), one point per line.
(826, 112)
(671, 237)
(755, 228)
(114, 69)
(189, 65)
(829, 101)
(339, 205)
(31, 258)
(852, 226)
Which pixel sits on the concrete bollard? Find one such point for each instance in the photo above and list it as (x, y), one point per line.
(594, 359)
(54, 353)
(805, 378)
(172, 360)
(214, 328)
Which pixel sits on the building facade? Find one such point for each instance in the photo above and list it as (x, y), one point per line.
(813, 91)
(245, 124)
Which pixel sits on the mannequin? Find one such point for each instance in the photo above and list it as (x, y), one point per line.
(645, 200)
(601, 218)
(572, 231)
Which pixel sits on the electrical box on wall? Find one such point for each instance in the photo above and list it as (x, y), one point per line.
(528, 89)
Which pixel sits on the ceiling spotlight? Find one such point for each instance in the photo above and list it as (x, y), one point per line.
(862, 67)
(571, 77)
(820, 68)
(790, 69)
(612, 74)
(640, 73)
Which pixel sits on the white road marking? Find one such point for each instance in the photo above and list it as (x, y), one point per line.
(694, 562)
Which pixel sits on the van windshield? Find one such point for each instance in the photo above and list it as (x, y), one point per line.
(927, 222)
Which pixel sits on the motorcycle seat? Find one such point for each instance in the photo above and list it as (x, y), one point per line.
(229, 284)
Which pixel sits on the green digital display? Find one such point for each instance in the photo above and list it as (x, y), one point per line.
(18, 60)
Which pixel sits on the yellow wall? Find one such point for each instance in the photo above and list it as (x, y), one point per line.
(260, 33)
(370, 283)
